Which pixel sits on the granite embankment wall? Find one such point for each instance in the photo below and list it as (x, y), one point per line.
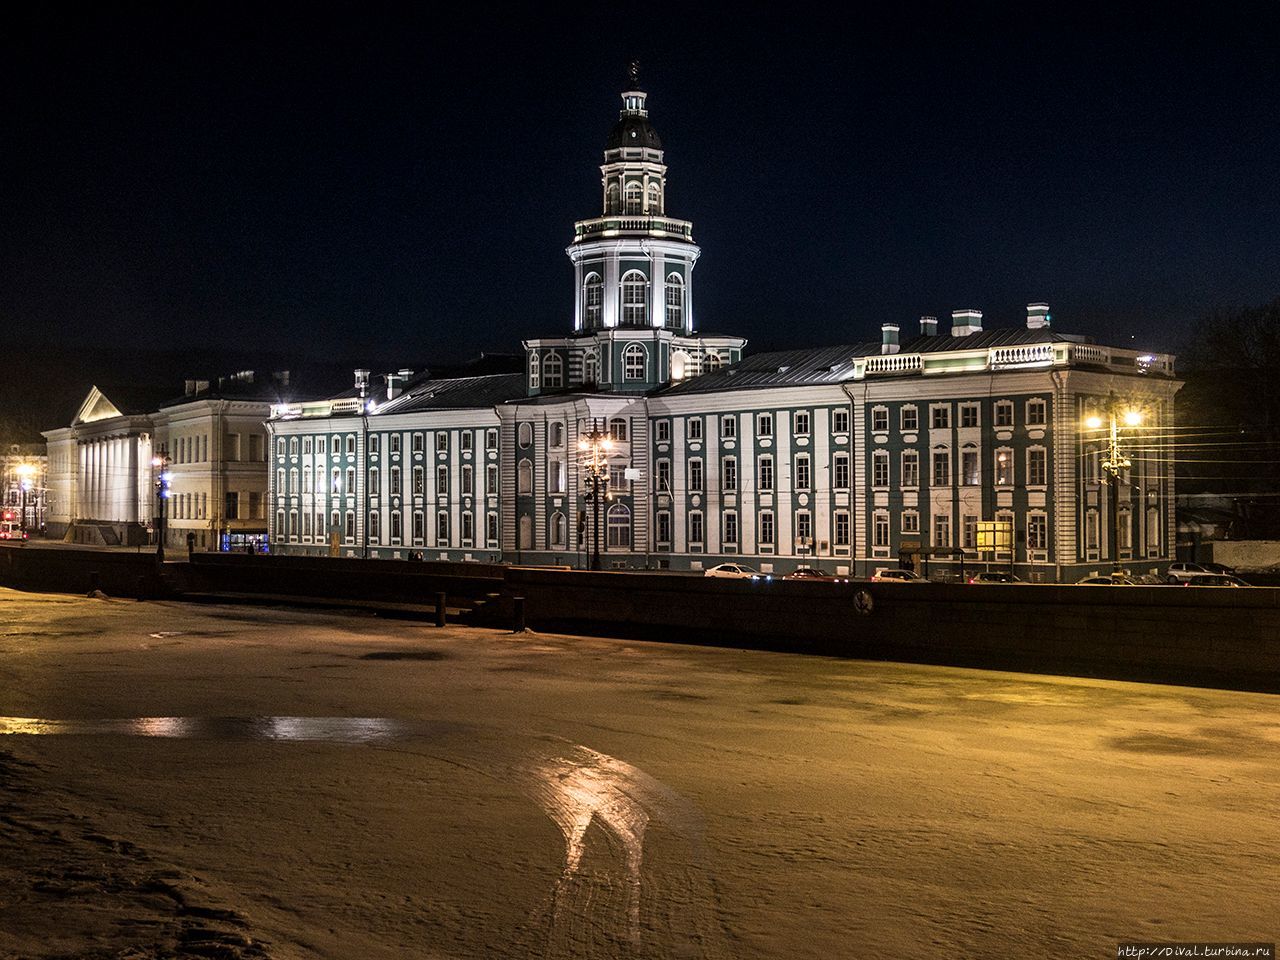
(66, 570)
(1189, 635)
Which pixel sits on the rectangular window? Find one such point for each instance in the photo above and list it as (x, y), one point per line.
(491, 527)
(468, 478)
(880, 469)
(766, 527)
(395, 481)
(695, 428)
(1036, 413)
(695, 476)
(617, 477)
(804, 528)
(417, 443)
(321, 443)
(491, 439)
(730, 527)
(764, 424)
(442, 481)
(969, 474)
(442, 442)
(802, 422)
(467, 438)
(729, 474)
(765, 479)
(942, 531)
(941, 468)
(351, 480)
(910, 468)
(803, 472)
(468, 527)
(491, 479)
(695, 526)
(419, 526)
(840, 421)
(969, 415)
(1037, 467)
(442, 527)
(306, 444)
(349, 528)
(1004, 413)
(662, 479)
(256, 506)
(728, 427)
(375, 443)
(910, 522)
(842, 528)
(396, 531)
(840, 471)
(664, 526)
(351, 447)
(970, 534)
(1091, 530)
(880, 420)
(940, 418)
(880, 530)
(662, 431)
(909, 419)
(419, 481)
(1038, 532)
(1004, 467)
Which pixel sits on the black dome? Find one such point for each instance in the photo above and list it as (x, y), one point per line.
(633, 130)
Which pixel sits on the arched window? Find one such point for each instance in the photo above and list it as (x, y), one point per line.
(675, 300)
(634, 300)
(713, 362)
(592, 300)
(535, 372)
(611, 204)
(525, 433)
(679, 365)
(524, 477)
(635, 198)
(655, 200)
(633, 362)
(559, 530)
(591, 368)
(552, 371)
(619, 522)
(618, 429)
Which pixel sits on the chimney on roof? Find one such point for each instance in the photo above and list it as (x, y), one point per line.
(395, 384)
(965, 322)
(889, 338)
(191, 388)
(928, 326)
(362, 382)
(404, 373)
(1037, 316)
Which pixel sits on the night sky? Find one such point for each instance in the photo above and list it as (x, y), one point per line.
(336, 185)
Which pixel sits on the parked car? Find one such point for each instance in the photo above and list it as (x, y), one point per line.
(810, 573)
(896, 576)
(1107, 580)
(1214, 580)
(12, 531)
(736, 571)
(995, 576)
(1221, 568)
(1182, 572)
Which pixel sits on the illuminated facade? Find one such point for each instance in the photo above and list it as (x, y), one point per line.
(851, 458)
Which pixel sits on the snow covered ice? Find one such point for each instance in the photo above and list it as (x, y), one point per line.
(232, 782)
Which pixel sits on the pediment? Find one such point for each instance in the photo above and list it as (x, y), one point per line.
(96, 407)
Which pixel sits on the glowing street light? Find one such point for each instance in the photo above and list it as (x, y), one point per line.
(1115, 461)
(163, 478)
(594, 449)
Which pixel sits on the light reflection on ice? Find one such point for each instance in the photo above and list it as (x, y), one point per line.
(325, 729)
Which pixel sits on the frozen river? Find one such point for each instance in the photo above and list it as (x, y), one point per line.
(234, 782)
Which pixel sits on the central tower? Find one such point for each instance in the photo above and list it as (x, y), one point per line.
(633, 265)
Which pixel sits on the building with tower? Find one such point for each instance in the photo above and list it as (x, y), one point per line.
(634, 430)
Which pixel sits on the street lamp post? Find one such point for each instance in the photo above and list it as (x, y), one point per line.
(1114, 462)
(25, 472)
(161, 464)
(594, 449)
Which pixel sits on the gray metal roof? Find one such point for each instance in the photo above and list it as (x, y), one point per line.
(456, 394)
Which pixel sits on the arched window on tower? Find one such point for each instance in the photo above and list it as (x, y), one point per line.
(552, 371)
(635, 198)
(713, 361)
(634, 305)
(679, 365)
(591, 368)
(633, 362)
(675, 301)
(611, 203)
(655, 200)
(535, 372)
(592, 299)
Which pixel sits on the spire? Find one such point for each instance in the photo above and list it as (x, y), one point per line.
(633, 97)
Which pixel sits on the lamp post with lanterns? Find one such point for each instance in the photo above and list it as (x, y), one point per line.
(1114, 461)
(160, 463)
(594, 449)
(25, 472)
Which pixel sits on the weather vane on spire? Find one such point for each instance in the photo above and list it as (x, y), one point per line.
(634, 72)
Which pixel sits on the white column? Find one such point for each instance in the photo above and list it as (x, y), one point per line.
(131, 490)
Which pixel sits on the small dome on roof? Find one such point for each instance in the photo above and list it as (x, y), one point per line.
(633, 130)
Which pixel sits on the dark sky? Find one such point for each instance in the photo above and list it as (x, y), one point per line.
(340, 184)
